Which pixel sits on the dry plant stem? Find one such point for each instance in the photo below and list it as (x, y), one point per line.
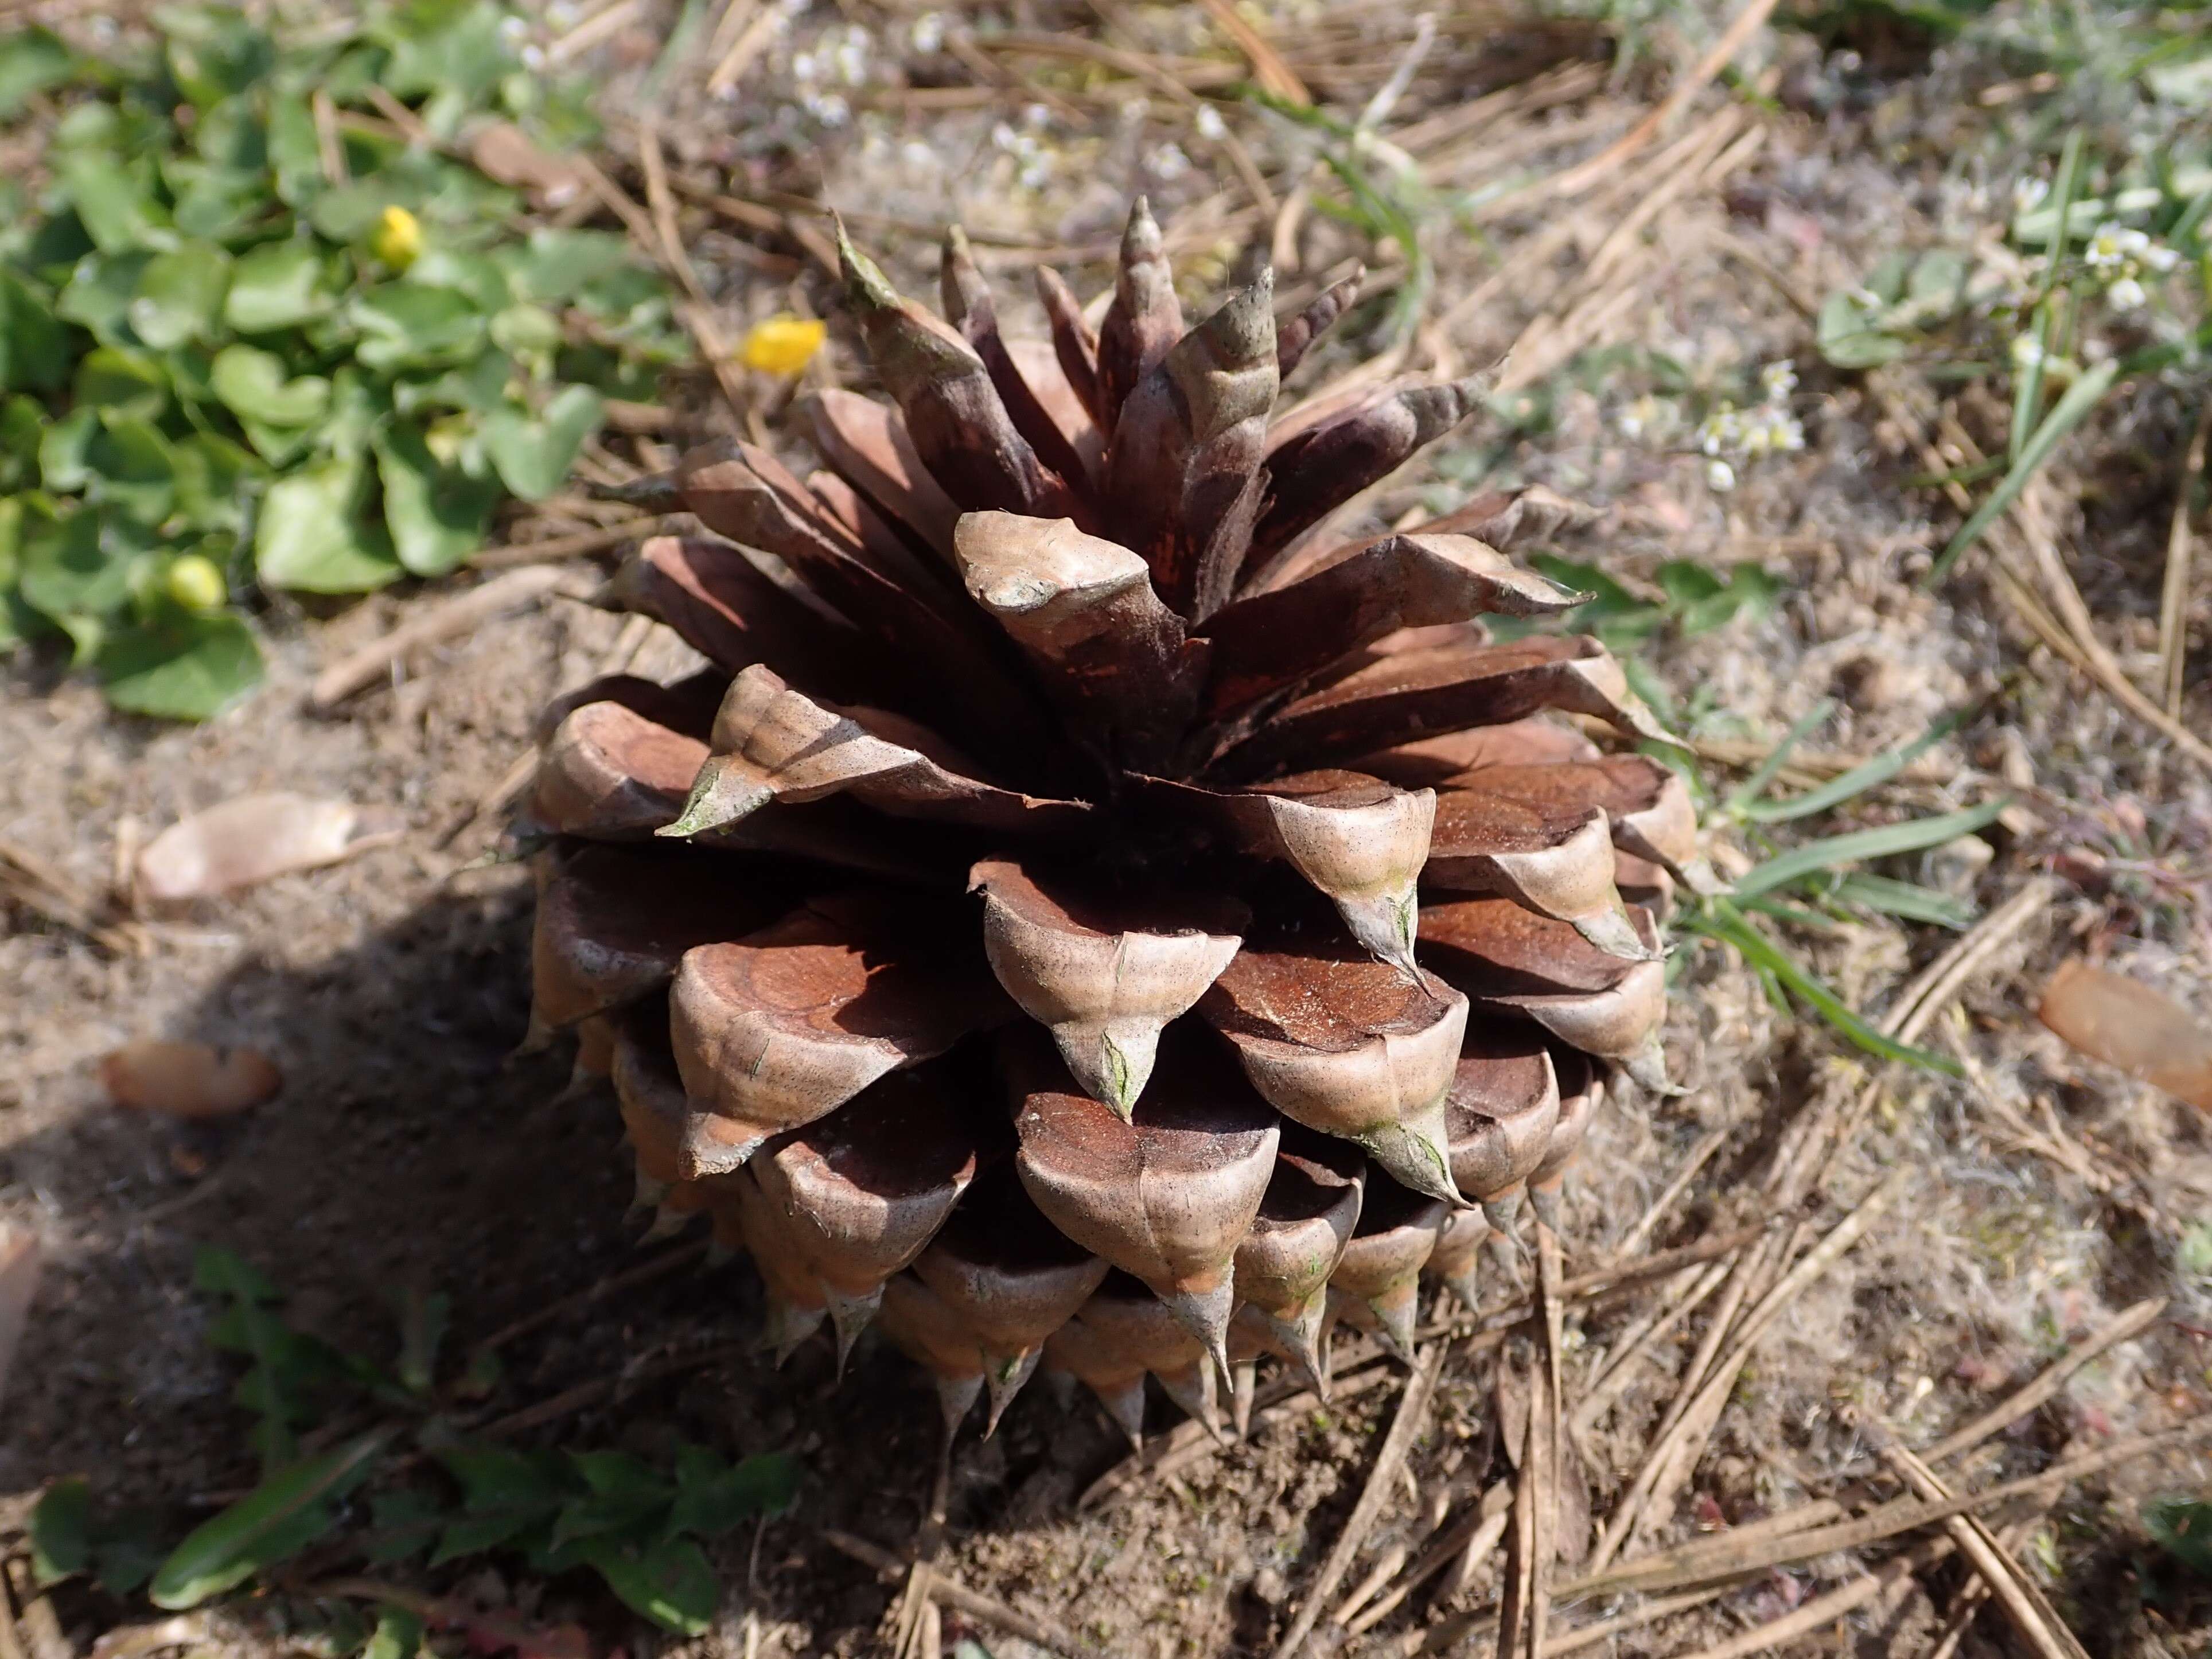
(1602, 166)
(29, 880)
(1647, 1223)
(1474, 1534)
(698, 317)
(1268, 68)
(582, 542)
(1650, 1612)
(2173, 597)
(458, 615)
(1386, 1568)
(40, 1625)
(1825, 1609)
(1678, 1444)
(958, 1596)
(1683, 1300)
(644, 1273)
(2129, 1324)
(1973, 1593)
(2066, 599)
(1381, 1479)
(1700, 1562)
(2032, 1615)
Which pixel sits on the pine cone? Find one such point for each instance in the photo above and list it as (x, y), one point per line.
(1073, 863)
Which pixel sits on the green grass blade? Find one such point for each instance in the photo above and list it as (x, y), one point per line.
(2067, 187)
(1725, 922)
(1856, 781)
(2084, 395)
(1833, 851)
(1738, 805)
(2027, 396)
(1905, 900)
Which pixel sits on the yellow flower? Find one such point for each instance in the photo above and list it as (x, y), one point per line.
(398, 238)
(781, 345)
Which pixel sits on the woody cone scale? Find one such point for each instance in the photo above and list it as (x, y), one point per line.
(1089, 918)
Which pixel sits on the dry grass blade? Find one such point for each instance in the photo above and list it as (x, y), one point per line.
(1474, 1534)
(2028, 511)
(1632, 1241)
(2173, 596)
(2130, 1322)
(954, 1595)
(28, 881)
(1268, 68)
(1682, 1299)
(1702, 1562)
(1733, 40)
(1405, 1428)
(459, 615)
(1972, 1594)
(577, 544)
(1672, 1453)
(2024, 1604)
(1827, 1610)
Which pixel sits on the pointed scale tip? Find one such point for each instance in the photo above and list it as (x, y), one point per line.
(1124, 1404)
(956, 1397)
(866, 285)
(1140, 237)
(1206, 1315)
(721, 794)
(1191, 1389)
(849, 1316)
(1416, 1152)
(1395, 1311)
(1241, 1396)
(1004, 1378)
(1648, 1066)
(1612, 932)
(1112, 1072)
(1544, 1201)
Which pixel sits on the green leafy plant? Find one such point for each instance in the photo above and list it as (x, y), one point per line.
(639, 1526)
(255, 336)
(2181, 1527)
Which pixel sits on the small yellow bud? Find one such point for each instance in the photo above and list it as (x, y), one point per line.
(196, 584)
(781, 345)
(398, 238)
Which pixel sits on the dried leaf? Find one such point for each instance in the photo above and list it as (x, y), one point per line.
(2124, 1023)
(502, 151)
(254, 837)
(188, 1080)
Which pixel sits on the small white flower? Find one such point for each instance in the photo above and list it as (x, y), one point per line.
(830, 108)
(2125, 294)
(1720, 476)
(2027, 351)
(1004, 136)
(511, 28)
(533, 57)
(1778, 381)
(2106, 251)
(2158, 257)
(1035, 116)
(917, 154)
(803, 68)
(1168, 162)
(1131, 111)
(927, 34)
(1210, 126)
(2028, 194)
(852, 57)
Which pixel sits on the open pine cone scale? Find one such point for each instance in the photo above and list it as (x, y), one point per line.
(1074, 865)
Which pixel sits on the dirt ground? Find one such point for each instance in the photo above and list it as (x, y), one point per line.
(408, 1152)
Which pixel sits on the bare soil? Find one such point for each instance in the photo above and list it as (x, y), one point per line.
(408, 1151)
